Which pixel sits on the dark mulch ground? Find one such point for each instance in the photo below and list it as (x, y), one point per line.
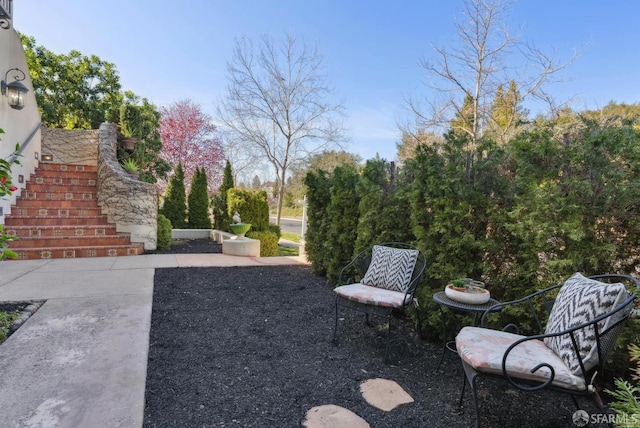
(191, 246)
(251, 347)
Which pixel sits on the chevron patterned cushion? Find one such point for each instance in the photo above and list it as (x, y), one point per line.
(581, 300)
(390, 268)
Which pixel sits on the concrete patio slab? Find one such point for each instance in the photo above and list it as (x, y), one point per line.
(195, 260)
(78, 362)
(81, 359)
(60, 285)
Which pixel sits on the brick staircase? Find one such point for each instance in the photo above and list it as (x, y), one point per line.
(57, 216)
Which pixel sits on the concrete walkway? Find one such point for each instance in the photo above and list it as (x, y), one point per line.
(81, 359)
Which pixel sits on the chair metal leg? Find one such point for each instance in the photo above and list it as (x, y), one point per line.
(419, 323)
(464, 385)
(472, 377)
(386, 352)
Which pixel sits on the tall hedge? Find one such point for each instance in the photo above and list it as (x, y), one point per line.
(199, 201)
(384, 210)
(343, 215)
(558, 198)
(175, 202)
(251, 205)
(318, 198)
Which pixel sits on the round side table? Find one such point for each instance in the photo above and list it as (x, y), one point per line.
(443, 301)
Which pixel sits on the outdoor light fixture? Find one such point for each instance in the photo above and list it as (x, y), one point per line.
(46, 158)
(15, 91)
(6, 10)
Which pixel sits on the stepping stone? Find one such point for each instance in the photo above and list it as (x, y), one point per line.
(332, 416)
(384, 394)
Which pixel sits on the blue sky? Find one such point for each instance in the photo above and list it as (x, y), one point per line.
(168, 51)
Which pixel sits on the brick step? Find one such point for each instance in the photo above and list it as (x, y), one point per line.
(61, 212)
(35, 203)
(70, 241)
(74, 252)
(59, 196)
(38, 231)
(57, 216)
(55, 221)
(61, 180)
(62, 188)
(62, 177)
(52, 166)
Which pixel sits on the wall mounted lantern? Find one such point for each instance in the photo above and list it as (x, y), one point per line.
(6, 10)
(15, 91)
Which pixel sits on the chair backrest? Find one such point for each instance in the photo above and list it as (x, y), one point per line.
(586, 319)
(393, 263)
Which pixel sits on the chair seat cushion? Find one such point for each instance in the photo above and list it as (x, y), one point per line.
(483, 349)
(369, 295)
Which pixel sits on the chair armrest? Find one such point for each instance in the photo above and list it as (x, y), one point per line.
(520, 385)
(359, 265)
(625, 309)
(635, 284)
(526, 299)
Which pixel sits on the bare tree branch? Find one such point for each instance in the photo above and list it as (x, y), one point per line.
(276, 102)
(472, 69)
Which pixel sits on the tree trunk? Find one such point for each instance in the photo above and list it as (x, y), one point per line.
(281, 190)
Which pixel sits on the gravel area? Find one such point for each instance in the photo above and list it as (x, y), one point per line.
(251, 347)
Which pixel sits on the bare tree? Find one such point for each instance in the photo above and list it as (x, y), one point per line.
(244, 158)
(466, 77)
(277, 101)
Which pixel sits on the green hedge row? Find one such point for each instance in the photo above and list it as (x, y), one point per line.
(520, 216)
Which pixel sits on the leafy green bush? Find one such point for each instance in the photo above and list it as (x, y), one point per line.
(343, 214)
(6, 321)
(164, 233)
(252, 207)
(626, 394)
(276, 229)
(318, 199)
(268, 242)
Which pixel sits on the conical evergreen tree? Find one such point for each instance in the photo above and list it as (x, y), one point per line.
(221, 218)
(199, 201)
(175, 203)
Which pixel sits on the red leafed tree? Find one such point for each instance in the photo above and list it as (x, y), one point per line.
(188, 137)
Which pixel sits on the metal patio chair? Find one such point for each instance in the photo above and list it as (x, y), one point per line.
(585, 319)
(379, 280)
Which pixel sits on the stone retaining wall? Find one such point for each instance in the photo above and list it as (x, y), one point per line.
(70, 146)
(131, 204)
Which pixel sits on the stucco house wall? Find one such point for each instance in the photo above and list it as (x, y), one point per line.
(18, 125)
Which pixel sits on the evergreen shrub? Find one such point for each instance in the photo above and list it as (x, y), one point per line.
(199, 201)
(276, 229)
(251, 205)
(318, 199)
(221, 218)
(268, 242)
(164, 233)
(175, 202)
